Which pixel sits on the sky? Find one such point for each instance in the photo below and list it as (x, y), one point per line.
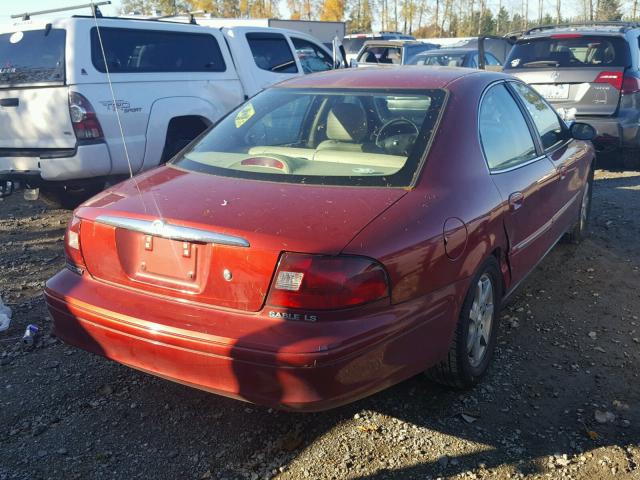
(9, 7)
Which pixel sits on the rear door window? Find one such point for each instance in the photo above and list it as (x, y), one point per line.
(32, 57)
(146, 51)
(311, 56)
(271, 52)
(504, 133)
(547, 122)
(570, 51)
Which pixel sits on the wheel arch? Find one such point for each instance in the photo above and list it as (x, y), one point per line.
(163, 111)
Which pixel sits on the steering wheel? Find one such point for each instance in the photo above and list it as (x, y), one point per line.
(395, 121)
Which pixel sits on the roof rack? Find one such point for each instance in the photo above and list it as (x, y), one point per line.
(622, 26)
(93, 5)
(190, 15)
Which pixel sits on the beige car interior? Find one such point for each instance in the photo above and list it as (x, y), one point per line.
(346, 133)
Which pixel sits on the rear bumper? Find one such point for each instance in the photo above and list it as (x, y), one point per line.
(614, 132)
(87, 161)
(283, 364)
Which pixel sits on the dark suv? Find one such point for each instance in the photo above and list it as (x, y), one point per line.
(593, 68)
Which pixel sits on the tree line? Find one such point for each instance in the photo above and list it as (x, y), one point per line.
(424, 19)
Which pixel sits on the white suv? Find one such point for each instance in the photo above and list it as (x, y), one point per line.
(59, 128)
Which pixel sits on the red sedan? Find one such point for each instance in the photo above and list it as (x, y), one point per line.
(333, 236)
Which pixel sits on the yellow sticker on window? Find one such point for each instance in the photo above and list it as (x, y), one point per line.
(244, 114)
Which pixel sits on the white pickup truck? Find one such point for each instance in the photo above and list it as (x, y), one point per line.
(60, 121)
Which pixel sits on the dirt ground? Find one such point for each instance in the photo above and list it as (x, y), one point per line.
(562, 399)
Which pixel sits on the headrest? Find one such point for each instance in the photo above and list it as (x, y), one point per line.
(347, 122)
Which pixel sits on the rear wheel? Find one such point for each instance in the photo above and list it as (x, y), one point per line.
(474, 340)
(580, 229)
(180, 132)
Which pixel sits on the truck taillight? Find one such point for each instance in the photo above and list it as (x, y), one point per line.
(83, 118)
(612, 78)
(72, 246)
(322, 282)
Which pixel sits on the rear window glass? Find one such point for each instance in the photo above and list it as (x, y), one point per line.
(384, 55)
(445, 59)
(147, 51)
(327, 137)
(271, 52)
(32, 57)
(569, 52)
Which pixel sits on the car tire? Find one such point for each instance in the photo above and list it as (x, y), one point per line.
(580, 229)
(67, 197)
(630, 159)
(474, 340)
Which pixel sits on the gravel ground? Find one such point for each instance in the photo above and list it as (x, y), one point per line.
(562, 399)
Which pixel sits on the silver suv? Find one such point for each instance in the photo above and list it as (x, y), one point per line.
(593, 68)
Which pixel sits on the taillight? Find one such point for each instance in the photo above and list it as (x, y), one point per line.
(83, 118)
(630, 84)
(72, 247)
(321, 282)
(612, 78)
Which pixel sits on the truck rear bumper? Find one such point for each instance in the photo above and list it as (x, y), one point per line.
(614, 132)
(87, 161)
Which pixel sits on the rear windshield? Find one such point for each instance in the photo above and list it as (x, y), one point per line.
(569, 51)
(147, 51)
(327, 137)
(444, 59)
(32, 57)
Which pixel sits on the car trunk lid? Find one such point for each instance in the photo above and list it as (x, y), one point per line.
(591, 91)
(215, 240)
(34, 103)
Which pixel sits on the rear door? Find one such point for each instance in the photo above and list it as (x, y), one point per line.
(573, 70)
(566, 155)
(524, 178)
(34, 104)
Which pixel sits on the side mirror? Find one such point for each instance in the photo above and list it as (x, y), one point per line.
(353, 63)
(582, 131)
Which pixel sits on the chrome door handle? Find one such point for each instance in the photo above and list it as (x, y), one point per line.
(516, 200)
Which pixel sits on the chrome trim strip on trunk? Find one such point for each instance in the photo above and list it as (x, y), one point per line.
(160, 228)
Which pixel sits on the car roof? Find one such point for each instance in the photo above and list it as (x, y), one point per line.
(449, 51)
(613, 29)
(394, 43)
(401, 77)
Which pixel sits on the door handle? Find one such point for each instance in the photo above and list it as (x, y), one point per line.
(9, 102)
(516, 200)
(562, 171)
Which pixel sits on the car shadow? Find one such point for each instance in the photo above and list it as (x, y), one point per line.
(538, 399)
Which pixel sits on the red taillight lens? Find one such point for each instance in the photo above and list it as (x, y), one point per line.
(72, 247)
(612, 78)
(630, 84)
(83, 118)
(320, 282)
